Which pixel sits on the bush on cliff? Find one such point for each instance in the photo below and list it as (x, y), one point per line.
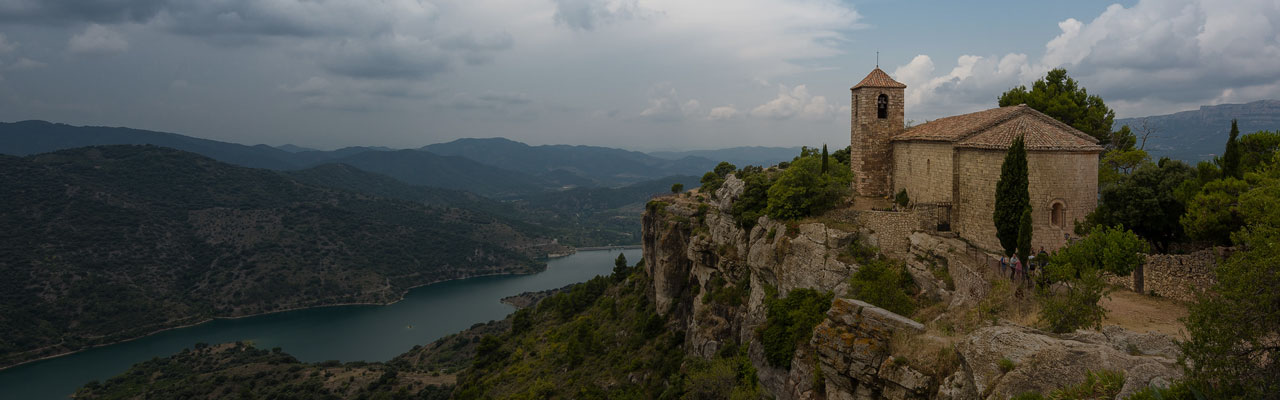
(885, 284)
(803, 190)
(755, 196)
(789, 321)
(713, 179)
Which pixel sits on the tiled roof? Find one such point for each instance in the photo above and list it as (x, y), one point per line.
(878, 78)
(998, 127)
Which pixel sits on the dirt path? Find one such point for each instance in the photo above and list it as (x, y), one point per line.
(1141, 313)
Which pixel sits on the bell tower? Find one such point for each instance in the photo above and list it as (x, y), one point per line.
(877, 115)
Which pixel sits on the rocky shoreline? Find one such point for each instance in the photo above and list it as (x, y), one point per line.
(529, 299)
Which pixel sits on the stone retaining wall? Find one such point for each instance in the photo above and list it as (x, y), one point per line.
(1176, 276)
(888, 230)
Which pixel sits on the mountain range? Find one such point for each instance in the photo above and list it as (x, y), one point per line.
(496, 167)
(1199, 135)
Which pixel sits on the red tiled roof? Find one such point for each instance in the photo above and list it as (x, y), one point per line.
(878, 78)
(998, 127)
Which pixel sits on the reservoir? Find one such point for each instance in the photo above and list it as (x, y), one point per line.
(345, 333)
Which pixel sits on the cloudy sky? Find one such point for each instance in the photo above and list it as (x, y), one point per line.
(639, 74)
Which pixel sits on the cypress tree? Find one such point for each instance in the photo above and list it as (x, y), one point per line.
(1024, 235)
(1231, 156)
(824, 158)
(1012, 196)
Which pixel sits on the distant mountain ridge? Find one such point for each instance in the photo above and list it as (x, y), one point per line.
(1201, 134)
(739, 156)
(603, 166)
(494, 167)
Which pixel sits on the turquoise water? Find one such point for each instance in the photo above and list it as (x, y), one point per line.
(346, 333)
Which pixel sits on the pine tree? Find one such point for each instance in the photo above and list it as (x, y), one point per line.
(1012, 196)
(620, 266)
(824, 158)
(1231, 156)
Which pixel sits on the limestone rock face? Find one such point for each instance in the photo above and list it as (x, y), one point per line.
(729, 192)
(1043, 362)
(853, 345)
(665, 255)
(690, 246)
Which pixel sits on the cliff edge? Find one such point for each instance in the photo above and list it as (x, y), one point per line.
(968, 339)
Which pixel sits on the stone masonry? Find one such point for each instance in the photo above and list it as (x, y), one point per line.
(870, 154)
(1049, 174)
(923, 169)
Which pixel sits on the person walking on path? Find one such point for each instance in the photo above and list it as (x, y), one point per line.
(1004, 264)
(1017, 269)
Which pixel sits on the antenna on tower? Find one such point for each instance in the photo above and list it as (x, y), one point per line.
(877, 59)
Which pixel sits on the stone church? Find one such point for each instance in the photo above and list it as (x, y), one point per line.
(951, 165)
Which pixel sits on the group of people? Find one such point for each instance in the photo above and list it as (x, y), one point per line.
(1019, 270)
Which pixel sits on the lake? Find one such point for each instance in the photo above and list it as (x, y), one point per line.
(346, 333)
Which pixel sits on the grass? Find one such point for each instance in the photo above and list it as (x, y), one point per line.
(931, 354)
(1006, 365)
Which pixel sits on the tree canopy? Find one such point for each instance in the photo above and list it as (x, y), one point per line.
(1061, 97)
(1149, 201)
(803, 190)
(1232, 349)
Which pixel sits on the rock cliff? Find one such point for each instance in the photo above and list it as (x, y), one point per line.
(694, 250)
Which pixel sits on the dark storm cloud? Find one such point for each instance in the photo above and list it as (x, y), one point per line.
(74, 11)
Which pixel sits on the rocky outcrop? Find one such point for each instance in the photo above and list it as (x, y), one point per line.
(1044, 362)
(693, 247)
(853, 346)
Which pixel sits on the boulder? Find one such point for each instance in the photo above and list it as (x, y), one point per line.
(1044, 362)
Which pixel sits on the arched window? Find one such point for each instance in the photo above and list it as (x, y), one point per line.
(1057, 214)
(882, 106)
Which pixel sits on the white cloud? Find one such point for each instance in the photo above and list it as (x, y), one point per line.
(665, 104)
(24, 63)
(98, 40)
(794, 102)
(724, 113)
(1154, 57)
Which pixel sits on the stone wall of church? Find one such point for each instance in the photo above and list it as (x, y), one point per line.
(870, 153)
(924, 170)
(1065, 178)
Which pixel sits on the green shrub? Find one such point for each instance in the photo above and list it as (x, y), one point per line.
(1077, 307)
(789, 321)
(677, 188)
(1097, 385)
(754, 199)
(719, 292)
(860, 252)
(901, 199)
(885, 284)
(1005, 365)
(803, 190)
(712, 180)
(1028, 396)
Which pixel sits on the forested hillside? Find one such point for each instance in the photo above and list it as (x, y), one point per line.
(107, 243)
(593, 166)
